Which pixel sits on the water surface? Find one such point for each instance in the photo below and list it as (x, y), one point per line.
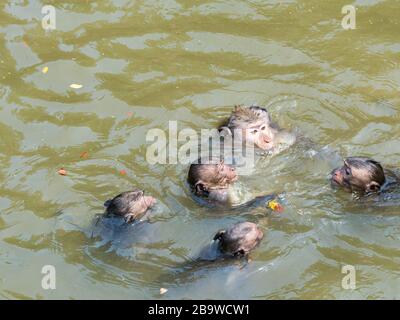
(142, 63)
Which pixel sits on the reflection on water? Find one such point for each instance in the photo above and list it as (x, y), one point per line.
(142, 63)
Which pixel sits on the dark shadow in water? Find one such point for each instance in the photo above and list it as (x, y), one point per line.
(114, 232)
(257, 202)
(209, 259)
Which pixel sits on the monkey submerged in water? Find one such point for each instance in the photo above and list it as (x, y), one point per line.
(240, 239)
(130, 205)
(254, 126)
(211, 180)
(363, 176)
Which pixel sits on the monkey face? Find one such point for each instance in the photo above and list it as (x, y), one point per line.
(130, 204)
(261, 134)
(254, 125)
(139, 207)
(228, 172)
(148, 202)
(240, 239)
(205, 177)
(359, 175)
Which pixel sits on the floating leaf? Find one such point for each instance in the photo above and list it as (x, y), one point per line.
(129, 113)
(163, 290)
(84, 155)
(275, 206)
(62, 172)
(45, 69)
(123, 172)
(75, 86)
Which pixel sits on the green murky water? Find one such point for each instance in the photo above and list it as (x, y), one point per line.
(142, 63)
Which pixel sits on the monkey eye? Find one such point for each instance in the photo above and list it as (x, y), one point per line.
(347, 171)
(263, 128)
(254, 131)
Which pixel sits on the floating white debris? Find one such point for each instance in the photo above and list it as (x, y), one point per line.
(163, 290)
(75, 86)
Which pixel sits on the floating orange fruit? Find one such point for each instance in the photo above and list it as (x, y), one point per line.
(62, 172)
(84, 155)
(275, 206)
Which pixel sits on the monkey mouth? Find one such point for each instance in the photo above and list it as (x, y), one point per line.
(149, 202)
(336, 183)
(234, 178)
(334, 180)
(266, 145)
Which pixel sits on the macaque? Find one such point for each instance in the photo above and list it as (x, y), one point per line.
(228, 246)
(256, 128)
(130, 205)
(211, 179)
(362, 175)
(240, 239)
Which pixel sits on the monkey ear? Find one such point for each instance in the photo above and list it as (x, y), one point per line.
(129, 218)
(219, 235)
(200, 188)
(220, 165)
(239, 253)
(373, 186)
(225, 132)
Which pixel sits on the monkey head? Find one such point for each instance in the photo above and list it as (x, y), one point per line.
(130, 205)
(240, 239)
(206, 176)
(254, 124)
(359, 175)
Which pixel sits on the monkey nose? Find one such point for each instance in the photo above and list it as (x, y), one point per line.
(267, 139)
(150, 201)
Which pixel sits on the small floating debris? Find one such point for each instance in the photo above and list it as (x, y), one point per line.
(75, 86)
(45, 69)
(122, 172)
(275, 206)
(84, 155)
(62, 172)
(163, 290)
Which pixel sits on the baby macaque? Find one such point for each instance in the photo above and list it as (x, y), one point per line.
(240, 239)
(256, 128)
(362, 175)
(211, 181)
(130, 205)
